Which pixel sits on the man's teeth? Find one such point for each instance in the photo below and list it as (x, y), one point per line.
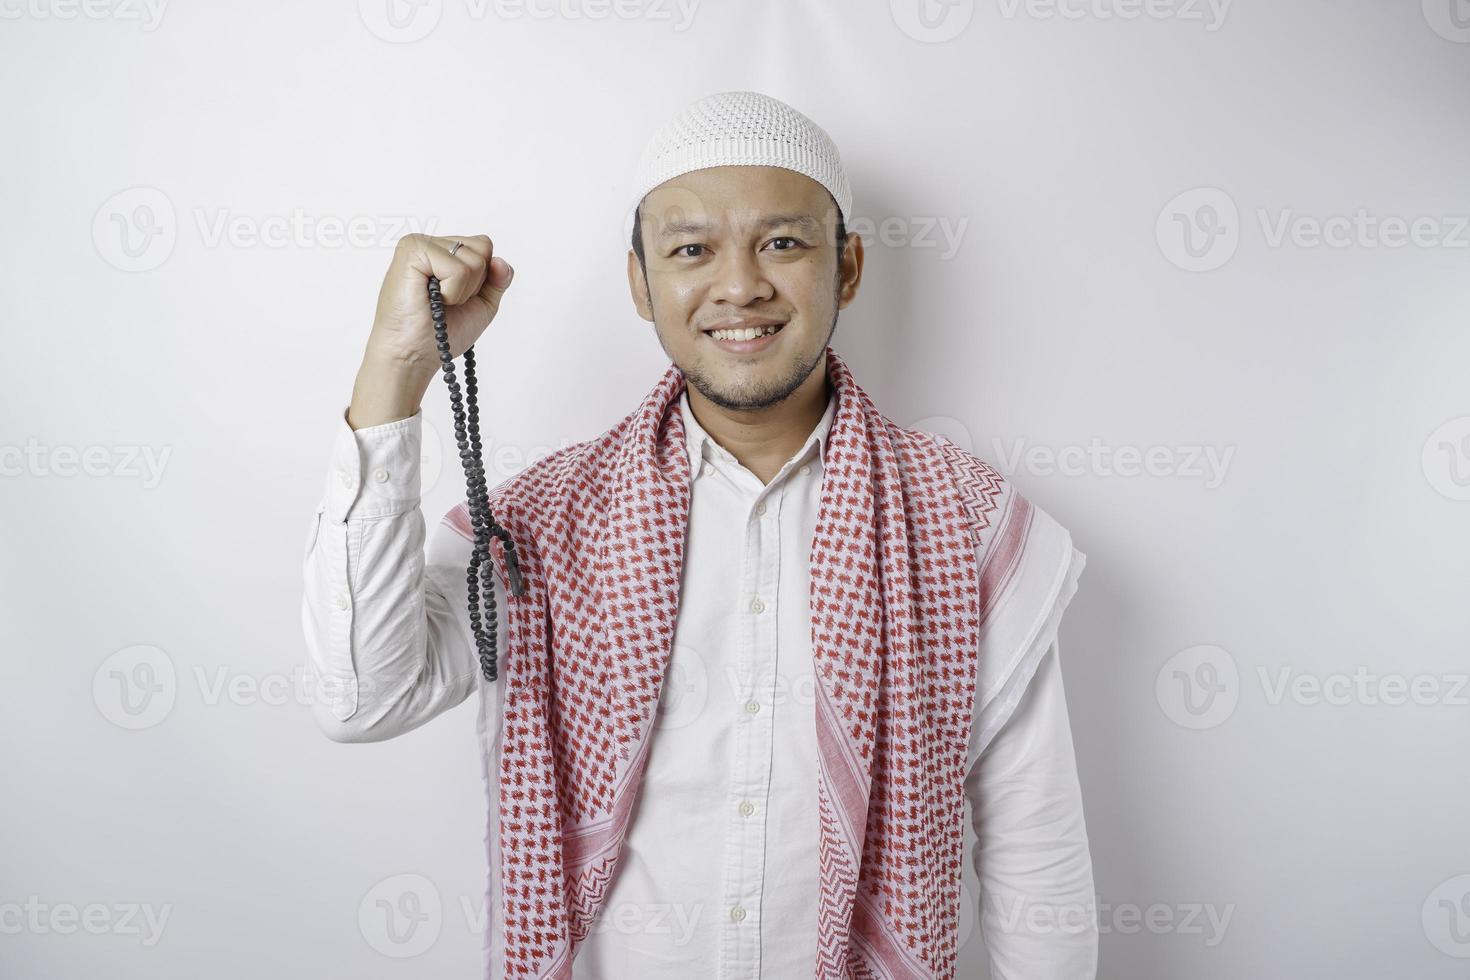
(749, 333)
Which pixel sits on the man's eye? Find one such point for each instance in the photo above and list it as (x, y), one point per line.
(786, 238)
(681, 248)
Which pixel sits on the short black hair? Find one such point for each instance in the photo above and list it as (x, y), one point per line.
(638, 235)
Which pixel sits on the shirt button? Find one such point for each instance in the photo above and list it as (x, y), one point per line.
(752, 706)
(757, 606)
(760, 508)
(381, 475)
(747, 808)
(805, 470)
(342, 602)
(737, 913)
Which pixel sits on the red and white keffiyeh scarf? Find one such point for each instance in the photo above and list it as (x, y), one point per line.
(898, 599)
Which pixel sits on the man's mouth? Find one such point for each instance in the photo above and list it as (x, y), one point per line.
(745, 339)
(744, 333)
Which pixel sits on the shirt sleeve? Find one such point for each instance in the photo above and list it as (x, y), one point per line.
(1031, 854)
(388, 638)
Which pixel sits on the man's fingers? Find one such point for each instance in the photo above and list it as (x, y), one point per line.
(460, 275)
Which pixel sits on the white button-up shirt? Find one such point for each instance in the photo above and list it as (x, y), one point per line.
(718, 876)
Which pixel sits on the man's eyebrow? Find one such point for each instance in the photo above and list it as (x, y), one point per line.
(689, 226)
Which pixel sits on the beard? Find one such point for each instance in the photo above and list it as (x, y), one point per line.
(755, 397)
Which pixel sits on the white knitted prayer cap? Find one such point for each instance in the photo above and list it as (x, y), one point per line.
(739, 129)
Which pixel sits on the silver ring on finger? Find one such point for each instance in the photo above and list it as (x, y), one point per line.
(455, 247)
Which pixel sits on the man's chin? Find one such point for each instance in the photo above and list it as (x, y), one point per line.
(750, 391)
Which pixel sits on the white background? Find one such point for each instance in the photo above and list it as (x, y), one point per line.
(160, 304)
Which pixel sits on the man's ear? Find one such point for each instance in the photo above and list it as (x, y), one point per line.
(638, 287)
(850, 270)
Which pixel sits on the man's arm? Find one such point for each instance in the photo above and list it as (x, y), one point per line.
(387, 631)
(388, 638)
(1031, 854)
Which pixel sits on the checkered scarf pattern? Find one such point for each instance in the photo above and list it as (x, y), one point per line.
(897, 599)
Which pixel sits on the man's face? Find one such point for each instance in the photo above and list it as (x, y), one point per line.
(743, 245)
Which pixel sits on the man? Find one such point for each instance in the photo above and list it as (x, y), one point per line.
(769, 641)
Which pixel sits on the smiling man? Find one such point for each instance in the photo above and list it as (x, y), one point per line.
(770, 643)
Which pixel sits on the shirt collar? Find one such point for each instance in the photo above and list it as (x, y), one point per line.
(698, 442)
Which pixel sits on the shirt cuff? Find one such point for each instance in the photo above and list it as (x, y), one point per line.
(375, 471)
